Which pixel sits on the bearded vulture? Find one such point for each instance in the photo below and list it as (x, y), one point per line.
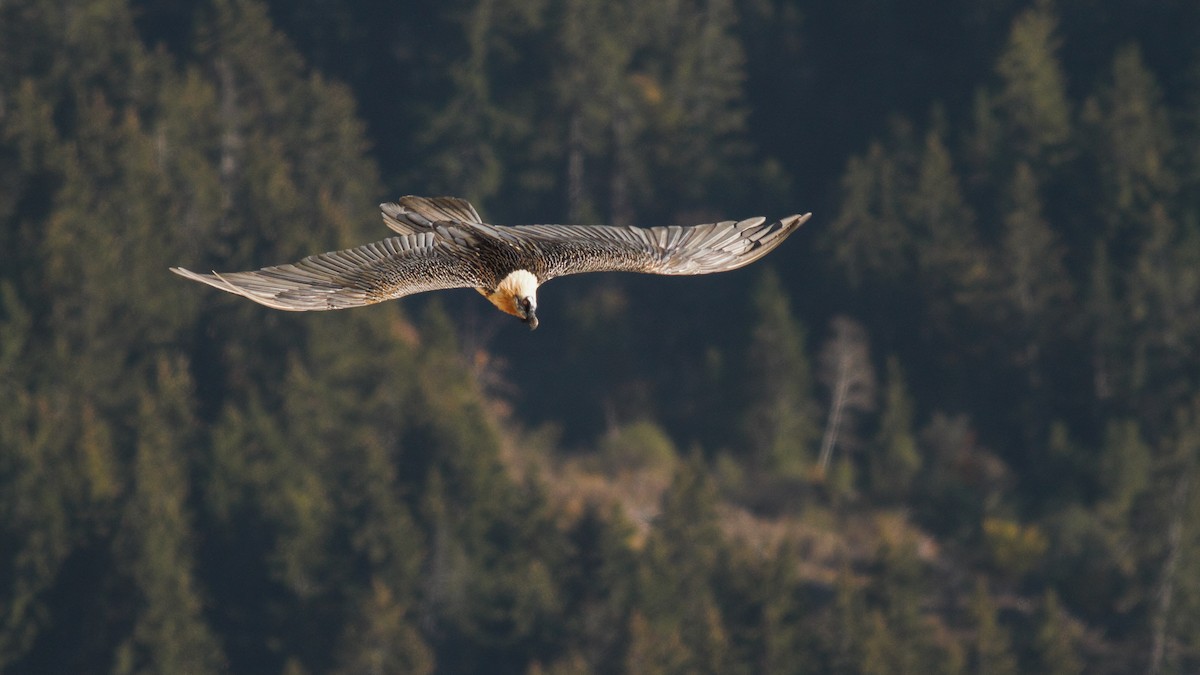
(443, 243)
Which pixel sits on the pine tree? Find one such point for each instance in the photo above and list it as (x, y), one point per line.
(1164, 284)
(381, 640)
(592, 85)
(991, 647)
(1125, 467)
(169, 632)
(780, 420)
(870, 239)
(1133, 141)
(1033, 103)
(1054, 643)
(599, 585)
(682, 559)
(1107, 324)
(38, 530)
(949, 257)
(651, 95)
(880, 653)
(467, 137)
(1034, 284)
(655, 650)
(896, 458)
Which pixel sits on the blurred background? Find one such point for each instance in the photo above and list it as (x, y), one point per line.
(952, 425)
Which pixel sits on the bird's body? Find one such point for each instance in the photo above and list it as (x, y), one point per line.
(443, 243)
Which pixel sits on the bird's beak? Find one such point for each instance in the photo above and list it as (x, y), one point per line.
(532, 320)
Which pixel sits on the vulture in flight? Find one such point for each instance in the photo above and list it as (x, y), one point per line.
(443, 243)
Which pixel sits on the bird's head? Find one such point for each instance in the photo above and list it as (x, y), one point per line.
(516, 294)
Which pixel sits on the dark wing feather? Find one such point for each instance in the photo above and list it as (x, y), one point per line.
(392, 268)
(420, 214)
(558, 250)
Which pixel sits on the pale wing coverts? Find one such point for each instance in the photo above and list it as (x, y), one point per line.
(444, 244)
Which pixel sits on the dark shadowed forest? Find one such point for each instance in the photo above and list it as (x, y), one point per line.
(951, 426)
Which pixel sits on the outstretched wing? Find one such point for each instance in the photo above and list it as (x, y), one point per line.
(419, 214)
(392, 268)
(559, 250)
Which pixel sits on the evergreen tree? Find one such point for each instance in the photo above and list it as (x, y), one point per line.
(780, 420)
(1133, 142)
(1164, 284)
(896, 458)
(380, 639)
(683, 557)
(949, 257)
(869, 239)
(466, 138)
(1033, 103)
(897, 585)
(1054, 643)
(1035, 287)
(599, 585)
(991, 646)
(651, 97)
(1125, 467)
(169, 632)
(37, 530)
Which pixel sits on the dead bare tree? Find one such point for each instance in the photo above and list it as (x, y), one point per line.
(844, 366)
(1164, 594)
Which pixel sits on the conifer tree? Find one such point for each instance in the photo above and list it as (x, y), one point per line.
(896, 459)
(1054, 644)
(870, 239)
(468, 136)
(1034, 283)
(379, 639)
(599, 586)
(1133, 141)
(991, 646)
(1164, 284)
(682, 560)
(1035, 111)
(780, 419)
(169, 632)
(949, 257)
(897, 585)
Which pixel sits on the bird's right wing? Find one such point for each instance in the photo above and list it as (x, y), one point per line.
(559, 250)
(392, 268)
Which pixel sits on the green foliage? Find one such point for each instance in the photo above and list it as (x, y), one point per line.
(1013, 549)
(639, 446)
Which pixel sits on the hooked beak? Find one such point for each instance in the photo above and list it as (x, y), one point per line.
(531, 319)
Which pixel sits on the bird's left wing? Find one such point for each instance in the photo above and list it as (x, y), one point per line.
(413, 214)
(559, 250)
(392, 268)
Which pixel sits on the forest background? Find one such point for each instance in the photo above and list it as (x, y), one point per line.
(952, 425)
